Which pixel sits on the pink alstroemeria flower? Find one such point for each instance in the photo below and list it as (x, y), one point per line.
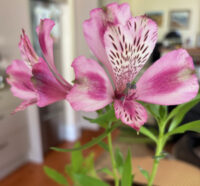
(32, 79)
(123, 44)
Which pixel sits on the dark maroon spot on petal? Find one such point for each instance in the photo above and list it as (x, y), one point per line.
(135, 26)
(145, 38)
(144, 50)
(111, 57)
(119, 31)
(123, 38)
(111, 37)
(114, 46)
(138, 41)
(113, 53)
(121, 46)
(142, 47)
(117, 55)
(134, 41)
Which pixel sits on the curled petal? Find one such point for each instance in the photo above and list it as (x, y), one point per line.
(169, 81)
(24, 105)
(46, 44)
(20, 80)
(95, 27)
(129, 47)
(49, 89)
(45, 39)
(131, 113)
(27, 52)
(92, 89)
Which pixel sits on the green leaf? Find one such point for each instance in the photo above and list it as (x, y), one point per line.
(153, 109)
(191, 126)
(55, 175)
(88, 165)
(148, 133)
(144, 173)
(76, 159)
(162, 112)
(91, 143)
(179, 112)
(84, 180)
(103, 145)
(127, 171)
(106, 170)
(105, 118)
(119, 160)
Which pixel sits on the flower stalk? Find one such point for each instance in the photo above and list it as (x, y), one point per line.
(114, 167)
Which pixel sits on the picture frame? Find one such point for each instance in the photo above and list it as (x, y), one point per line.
(179, 19)
(156, 16)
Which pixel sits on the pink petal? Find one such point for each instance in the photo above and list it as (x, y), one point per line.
(169, 81)
(129, 47)
(45, 39)
(20, 80)
(46, 44)
(131, 113)
(27, 52)
(95, 27)
(92, 89)
(49, 89)
(24, 105)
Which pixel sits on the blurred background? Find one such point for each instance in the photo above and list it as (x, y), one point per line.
(25, 138)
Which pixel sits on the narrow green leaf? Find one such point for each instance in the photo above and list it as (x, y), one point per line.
(119, 160)
(105, 118)
(55, 175)
(127, 171)
(179, 112)
(144, 173)
(162, 112)
(91, 143)
(106, 170)
(103, 145)
(76, 159)
(153, 109)
(84, 180)
(148, 133)
(191, 126)
(88, 166)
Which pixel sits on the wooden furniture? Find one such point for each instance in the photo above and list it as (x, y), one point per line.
(195, 53)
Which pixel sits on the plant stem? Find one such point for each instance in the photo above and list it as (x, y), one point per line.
(115, 175)
(159, 148)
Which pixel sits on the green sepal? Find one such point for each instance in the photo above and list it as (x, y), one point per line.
(119, 160)
(84, 180)
(127, 171)
(144, 172)
(55, 175)
(104, 118)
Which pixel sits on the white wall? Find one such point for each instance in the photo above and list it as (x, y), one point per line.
(140, 7)
(15, 15)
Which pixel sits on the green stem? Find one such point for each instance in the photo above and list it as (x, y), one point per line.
(114, 168)
(159, 149)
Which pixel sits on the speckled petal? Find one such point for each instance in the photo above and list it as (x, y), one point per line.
(131, 113)
(95, 27)
(129, 47)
